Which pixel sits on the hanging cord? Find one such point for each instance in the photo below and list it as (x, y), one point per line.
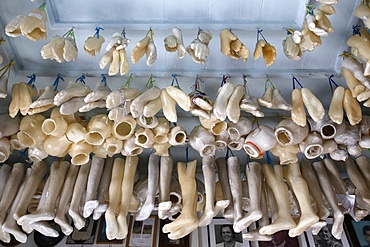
(24, 154)
(150, 83)
(42, 6)
(248, 161)
(104, 79)
(269, 81)
(259, 32)
(56, 82)
(6, 69)
(186, 155)
(97, 31)
(289, 31)
(268, 158)
(246, 84)
(70, 34)
(174, 80)
(196, 85)
(124, 32)
(331, 82)
(150, 33)
(344, 54)
(199, 31)
(81, 79)
(224, 79)
(310, 8)
(295, 80)
(32, 80)
(356, 30)
(255, 121)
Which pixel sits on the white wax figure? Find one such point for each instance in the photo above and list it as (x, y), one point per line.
(363, 165)
(126, 192)
(38, 172)
(187, 221)
(95, 174)
(115, 188)
(223, 177)
(276, 183)
(46, 212)
(153, 184)
(212, 207)
(295, 180)
(78, 191)
(166, 166)
(11, 188)
(65, 199)
(362, 192)
(254, 178)
(4, 176)
(315, 189)
(335, 177)
(235, 181)
(338, 216)
(103, 190)
(254, 235)
(10, 225)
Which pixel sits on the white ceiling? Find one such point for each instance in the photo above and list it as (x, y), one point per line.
(137, 16)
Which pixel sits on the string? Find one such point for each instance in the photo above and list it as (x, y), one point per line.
(248, 161)
(268, 157)
(331, 82)
(56, 82)
(6, 68)
(124, 32)
(174, 79)
(246, 84)
(186, 155)
(310, 8)
(32, 80)
(289, 31)
(150, 83)
(224, 79)
(269, 81)
(128, 82)
(97, 30)
(104, 79)
(150, 32)
(259, 32)
(344, 54)
(2, 41)
(356, 30)
(23, 153)
(42, 6)
(196, 84)
(81, 79)
(295, 80)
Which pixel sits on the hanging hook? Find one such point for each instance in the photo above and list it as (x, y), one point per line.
(224, 79)
(310, 8)
(245, 84)
(344, 54)
(199, 31)
(42, 6)
(124, 32)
